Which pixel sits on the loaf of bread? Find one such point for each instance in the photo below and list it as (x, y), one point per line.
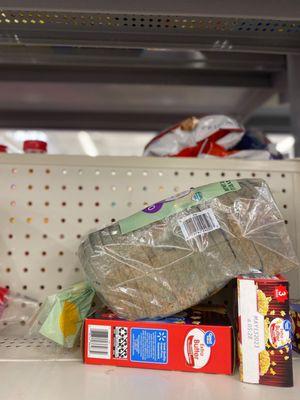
(176, 253)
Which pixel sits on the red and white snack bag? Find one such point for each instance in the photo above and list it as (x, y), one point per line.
(195, 136)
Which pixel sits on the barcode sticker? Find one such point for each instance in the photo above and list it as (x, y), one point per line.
(99, 341)
(198, 223)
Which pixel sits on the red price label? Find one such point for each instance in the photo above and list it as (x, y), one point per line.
(281, 293)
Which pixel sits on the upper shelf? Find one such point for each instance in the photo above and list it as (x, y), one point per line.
(270, 26)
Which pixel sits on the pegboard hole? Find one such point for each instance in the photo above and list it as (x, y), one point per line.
(25, 270)
(7, 287)
(61, 253)
(44, 253)
(59, 287)
(27, 236)
(79, 220)
(96, 220)
(80, 187)
(26, 253)
(47, 171)
(13, 186)
(238, 174)
(63, 220)
(113, 220)
(97, 204)
(80, 172)
(192, 173)
(253, 174)
(207, 173)
(113, 204)
(61, 236)
(76, 269)
(30, 187)
(46, 203)
(59, 269)
(78, 236)
(129, 204)
(64, 187)
(30, 171)
(45, 236)
(286, 221)
(46, 220)
(176, 173)
(223, 174)
(268, 175)
(282, 175)
(284, 206)
(24, 287)
(96, 188)
(12, 220)
(10, 236)
(14, 171)
(43, 269)
(29, 220)
(42, 287)
(29, 203)
(144, 188)
(9, 253)
(161, 188)
(8, 270)
(80, 204)
(283, 190)
(13, 203)
(63, 204)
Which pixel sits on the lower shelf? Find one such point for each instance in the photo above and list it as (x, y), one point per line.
(36, 371)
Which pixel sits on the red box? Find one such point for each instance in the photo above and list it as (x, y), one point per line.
(264, 337)
(197, 340)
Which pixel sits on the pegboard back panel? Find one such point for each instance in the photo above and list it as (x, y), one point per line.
(49, 202)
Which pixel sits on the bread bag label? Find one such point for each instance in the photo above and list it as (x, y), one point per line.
(175, 204)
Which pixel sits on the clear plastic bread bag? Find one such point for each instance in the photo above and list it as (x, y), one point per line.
(179, 251)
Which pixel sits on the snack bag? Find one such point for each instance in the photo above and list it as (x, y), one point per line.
(61, 316)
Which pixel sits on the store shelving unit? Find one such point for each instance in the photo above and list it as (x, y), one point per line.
(231, 59)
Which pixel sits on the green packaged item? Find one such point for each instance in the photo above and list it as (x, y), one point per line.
(61, 316)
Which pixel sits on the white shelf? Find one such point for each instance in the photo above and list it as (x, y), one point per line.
(36, 380)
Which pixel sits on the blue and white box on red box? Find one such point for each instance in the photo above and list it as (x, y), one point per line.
(197, 340)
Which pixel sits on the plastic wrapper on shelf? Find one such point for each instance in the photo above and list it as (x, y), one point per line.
(192, 136)
(61, 316)
(211, 136)
(15, 313)
(179, 251)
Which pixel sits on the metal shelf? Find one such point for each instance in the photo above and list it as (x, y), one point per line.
(65, 379)
(268, 27)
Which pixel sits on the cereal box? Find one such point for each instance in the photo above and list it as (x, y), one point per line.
(197, 340)
(295, 320)
(264, 335)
